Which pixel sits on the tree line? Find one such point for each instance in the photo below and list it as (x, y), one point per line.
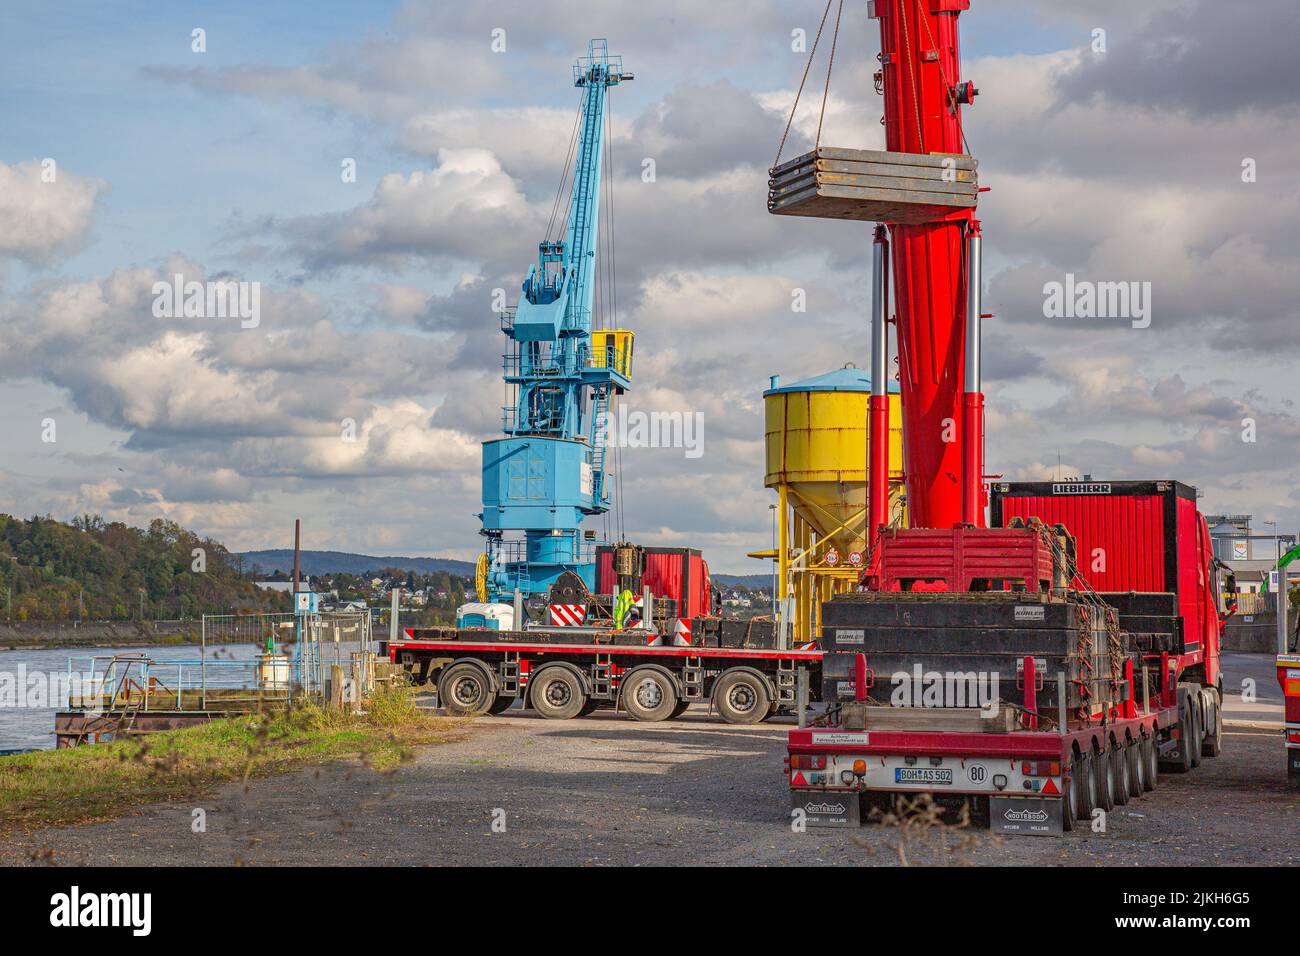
(93, 570)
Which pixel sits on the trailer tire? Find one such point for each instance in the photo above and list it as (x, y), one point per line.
(1151, 755)
(741, 696)
(1105, 780)
(648, 694)
(500, 705)
(1137, 768)
(589, 708)
(556, 693)
(1087, 771)
(465, 689)
(1186, 735)
(1072, 799)
(679, 709)
(1212, 741)
(1198, 731)
(1123, 774)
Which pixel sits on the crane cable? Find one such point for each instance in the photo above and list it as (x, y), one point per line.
(830, 65)
(609, 206)
(564, 174)
(951, 88)
(916, 90)
(807, 67)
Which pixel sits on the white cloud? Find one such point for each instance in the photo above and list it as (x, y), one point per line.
(45, 211)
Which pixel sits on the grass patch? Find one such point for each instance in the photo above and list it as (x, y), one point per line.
(102, 781)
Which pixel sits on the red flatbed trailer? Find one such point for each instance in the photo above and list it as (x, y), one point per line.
(1031, 782)
(483, 671)
(1040, 780)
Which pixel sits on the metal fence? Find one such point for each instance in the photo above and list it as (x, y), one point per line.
(142, 683)
(244, 662)
(300, 649)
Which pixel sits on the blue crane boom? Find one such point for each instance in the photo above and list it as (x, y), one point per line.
(549, 472)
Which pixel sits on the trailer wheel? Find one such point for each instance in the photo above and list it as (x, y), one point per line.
(648, 694)
(1071, 799)
(556, 693)
(741, 697)
(465, 689)
(1198, 730)
(1123, 775)
(1212, 740)
(679, 709)
(1186, 735)
(1105, 780)
(1151, 757)
(1137, 768)
(500, 705)
(1086, 769)
(589, 708)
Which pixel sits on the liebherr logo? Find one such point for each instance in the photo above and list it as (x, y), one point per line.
(74, 909)
(1026, 816)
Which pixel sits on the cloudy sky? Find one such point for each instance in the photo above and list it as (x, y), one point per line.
(376, 294)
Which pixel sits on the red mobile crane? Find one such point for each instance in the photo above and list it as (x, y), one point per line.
(1039, 669)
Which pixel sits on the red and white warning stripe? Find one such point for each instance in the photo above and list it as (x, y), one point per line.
(682, 632)
(567, 615)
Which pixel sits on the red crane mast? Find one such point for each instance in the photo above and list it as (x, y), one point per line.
(937, 328)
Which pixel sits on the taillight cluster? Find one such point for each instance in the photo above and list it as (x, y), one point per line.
(1041, 768)
(807, 762)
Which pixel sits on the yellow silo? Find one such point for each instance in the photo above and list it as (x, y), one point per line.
(816, 444)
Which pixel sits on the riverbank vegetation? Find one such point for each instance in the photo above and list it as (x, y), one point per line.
(102, 781)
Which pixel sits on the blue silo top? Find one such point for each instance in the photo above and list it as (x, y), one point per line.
(847, 379)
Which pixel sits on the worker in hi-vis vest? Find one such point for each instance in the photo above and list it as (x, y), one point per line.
(622, 609)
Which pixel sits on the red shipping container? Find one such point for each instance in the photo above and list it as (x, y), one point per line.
(669, 573)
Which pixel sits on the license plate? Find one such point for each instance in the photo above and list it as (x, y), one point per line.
(922, 775)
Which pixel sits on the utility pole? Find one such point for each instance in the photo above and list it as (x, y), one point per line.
(297, 526)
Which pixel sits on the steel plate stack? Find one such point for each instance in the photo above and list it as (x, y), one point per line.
(873, 185)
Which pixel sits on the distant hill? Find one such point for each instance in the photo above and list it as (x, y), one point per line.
(748, 580)
(95, 570)
(345, 562)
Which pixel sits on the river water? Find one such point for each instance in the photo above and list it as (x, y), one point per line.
(33, 683)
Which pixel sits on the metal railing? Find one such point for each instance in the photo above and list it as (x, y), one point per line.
(620, 360)
(1251, 603)
(147, 684)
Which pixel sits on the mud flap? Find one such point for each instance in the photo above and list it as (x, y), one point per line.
(1027, 816)
(821, 808)
(1293, 764)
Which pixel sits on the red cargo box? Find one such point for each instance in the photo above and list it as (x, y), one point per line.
(669, 573)
(1145, 536)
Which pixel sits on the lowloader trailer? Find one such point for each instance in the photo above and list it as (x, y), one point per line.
(563, 673)
(992, 668)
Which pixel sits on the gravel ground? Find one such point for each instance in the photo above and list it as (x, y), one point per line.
(609, 791)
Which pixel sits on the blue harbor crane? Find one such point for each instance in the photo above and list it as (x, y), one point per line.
(550, 472)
